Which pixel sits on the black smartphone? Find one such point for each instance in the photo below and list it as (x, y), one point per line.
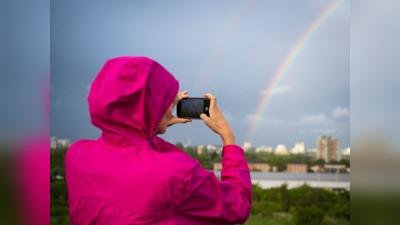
(191, 108)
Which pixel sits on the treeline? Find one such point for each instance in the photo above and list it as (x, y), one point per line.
(207, 159)
(305, 204)
(59, 208)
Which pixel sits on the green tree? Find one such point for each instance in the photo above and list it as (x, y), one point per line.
(205, 151)
(345, 162)
(180, 146)
(307, 215)
(214, 155)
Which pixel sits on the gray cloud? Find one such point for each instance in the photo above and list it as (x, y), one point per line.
(312, 119)
(340, 112)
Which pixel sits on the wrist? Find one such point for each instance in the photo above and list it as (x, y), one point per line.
(228, 139)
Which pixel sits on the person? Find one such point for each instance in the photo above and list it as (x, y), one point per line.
(129, 175)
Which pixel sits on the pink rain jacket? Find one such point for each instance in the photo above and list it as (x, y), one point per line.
(129, 176)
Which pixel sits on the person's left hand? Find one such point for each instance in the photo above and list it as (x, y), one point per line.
(183, 95)
(174, 119)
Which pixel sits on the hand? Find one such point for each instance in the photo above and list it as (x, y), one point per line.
(175, 120)
(217, 123)
(183, 95)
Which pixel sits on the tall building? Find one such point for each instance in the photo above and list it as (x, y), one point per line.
(299, 148)
(328, 149)
(53, 142)
(281, 150)
(264, 149)
(200, 149)
(246, 146)
(59, 143)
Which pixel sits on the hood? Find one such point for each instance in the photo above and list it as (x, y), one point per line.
(129, 97)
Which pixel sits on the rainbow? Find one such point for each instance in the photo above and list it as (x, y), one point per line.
(277, 78)
(222, 40)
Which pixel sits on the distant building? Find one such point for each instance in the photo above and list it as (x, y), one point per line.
(346, 153)
(200, 149)
(328, 149)
(296, 166)
(214, 148)
(335, 167)
(318, 168)
(211, 148)
(258, 165)
(59, 143)
(299, 148)
(252, 164)
(281, 150)
(53, 143)
(264, 149)
(246, 146)
(294, 180)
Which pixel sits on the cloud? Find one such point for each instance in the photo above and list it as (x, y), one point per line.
(263, 121)
(278, 90)
(339, 112)
(88, 87)
(312, 119)
(327, 131)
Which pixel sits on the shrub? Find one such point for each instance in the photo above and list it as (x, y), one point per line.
(309, 215)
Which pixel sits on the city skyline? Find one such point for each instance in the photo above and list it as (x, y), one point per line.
(344, 151)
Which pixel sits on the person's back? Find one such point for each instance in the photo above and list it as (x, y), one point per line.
(131, 176)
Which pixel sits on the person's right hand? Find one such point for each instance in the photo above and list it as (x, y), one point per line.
(217, 123)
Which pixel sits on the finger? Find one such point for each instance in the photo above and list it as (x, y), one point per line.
(213, 103)
(185, 92)
(184, 120)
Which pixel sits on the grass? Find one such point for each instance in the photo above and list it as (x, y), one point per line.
(259, 220)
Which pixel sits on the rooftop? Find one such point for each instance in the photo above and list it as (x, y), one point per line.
(296, 176)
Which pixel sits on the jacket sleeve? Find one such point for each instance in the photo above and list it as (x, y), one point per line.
(228, 200)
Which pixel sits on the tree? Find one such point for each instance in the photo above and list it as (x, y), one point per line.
(345, 162)
(180, 146)
(320, 161)
(190, 151)
(214, 155)
(205, 151)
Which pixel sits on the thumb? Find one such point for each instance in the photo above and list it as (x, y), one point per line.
(186, 120)
(204, 117)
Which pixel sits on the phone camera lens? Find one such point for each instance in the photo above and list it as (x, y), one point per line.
(206, 108)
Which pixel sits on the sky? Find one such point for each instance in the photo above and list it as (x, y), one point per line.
(24, 67)
(231, 49)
